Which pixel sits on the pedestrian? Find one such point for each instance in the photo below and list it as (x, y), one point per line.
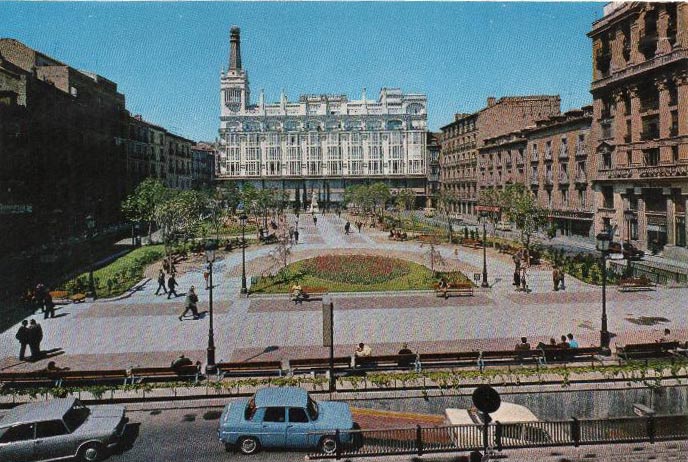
(291, 235)
(206, 275)
(35, 336)
(49, 309)
(523, 276)
(562, 286)
(171, 284)
(39, 296)
(347, 227)
(517, 270)
(315, 220)
(190, 304)
(161, 282)
(572, 342)
(23, 337)
(339, 213)
(555, 278)
(359, 225)
(296, 236)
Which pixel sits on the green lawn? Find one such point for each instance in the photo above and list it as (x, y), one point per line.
(414, 277)
(120, 275)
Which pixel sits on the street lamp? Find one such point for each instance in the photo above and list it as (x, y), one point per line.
(210, 248)
(603, 246)
(91, 226)
(483, 216)
(629, 215)
(243, 219)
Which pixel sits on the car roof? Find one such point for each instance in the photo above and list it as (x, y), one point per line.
(281, 396)
(42, 410)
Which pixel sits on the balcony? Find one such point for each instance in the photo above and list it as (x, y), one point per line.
(548, 180)
(563, 178)
(648, 44)
(548, 154)
(581, 178)
(650, 134)
(581, 151)
(563, 153)
(534, 158)
(649, 65)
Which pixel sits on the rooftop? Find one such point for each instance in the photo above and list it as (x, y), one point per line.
(287, 396)
(42, 410)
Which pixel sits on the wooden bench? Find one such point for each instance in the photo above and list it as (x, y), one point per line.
(646, 350)
(461, 358)
(636, 284)
(572, 354)
(78, 298)
(510, 356)
(26, 379)
(318, 364)
(385, 362)
(454, 289)
(257, 368)
(472, 243)
(310, 293)
(164, 374)
(59, 294)
(90, 377)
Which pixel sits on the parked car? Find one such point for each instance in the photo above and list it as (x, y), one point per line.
(515, 428)
(627, 249)
(503, 226)
(59, 429)
(284, 418)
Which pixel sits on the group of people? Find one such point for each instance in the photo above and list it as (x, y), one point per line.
(30, 333)
(567, 341)
(521, 264)
(171, 287)
(396, 234)
(408, 357)
(558, 278)
(40, 297)
(293, 235)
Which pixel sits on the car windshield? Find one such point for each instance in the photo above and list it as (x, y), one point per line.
(312, 409)
(76, 416)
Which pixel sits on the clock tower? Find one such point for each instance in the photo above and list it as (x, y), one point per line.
(234, 91)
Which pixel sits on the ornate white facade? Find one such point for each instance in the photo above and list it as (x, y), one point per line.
(320, 136)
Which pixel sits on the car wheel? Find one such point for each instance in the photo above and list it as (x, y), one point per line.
(328, 445)
(91, 452)
(249, 445)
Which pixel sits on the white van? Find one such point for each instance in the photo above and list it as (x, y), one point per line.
(513, 417)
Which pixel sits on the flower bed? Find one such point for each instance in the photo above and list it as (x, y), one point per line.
(356, 269)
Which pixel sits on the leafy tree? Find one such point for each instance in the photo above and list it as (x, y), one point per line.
(178, 216)
(140, 205)
(379, 193)
(522, 208)
(493, 197)
(444, 199)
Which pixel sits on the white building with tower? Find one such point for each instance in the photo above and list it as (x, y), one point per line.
(321, 144)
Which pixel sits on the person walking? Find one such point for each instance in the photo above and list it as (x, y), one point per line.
(347, 227)
(523, 275)
(296, 236)
(315, 220)
(161, 282)
(206, 275)
(171, 284)
(49, 310)
(359, 225)
(190, 303)
(23, 337)
(35, 336)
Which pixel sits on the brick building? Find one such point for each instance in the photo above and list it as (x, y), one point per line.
(640, 123)
(146, 151)
(203, 160)
(60, 155)
(462, 138)
(550, 157)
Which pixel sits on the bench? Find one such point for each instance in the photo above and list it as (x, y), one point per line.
(646, 350)
(78, 298)
(472, 243)
(454, 289)
(310, 293)
(90, 377)
(635, 284)
(385, 362)
(59, 294)
(164, 374)
(511, 356)
(461, 358)
(318, 364)
(250, 368)
(26, 379)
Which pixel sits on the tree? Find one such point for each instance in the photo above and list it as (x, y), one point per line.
(522, 208)
(379, 193)
(178, 216)
(140, 205)
(443, 200)
(404, 200)
(493, 197)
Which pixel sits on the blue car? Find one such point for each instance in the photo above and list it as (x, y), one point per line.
(284, 418)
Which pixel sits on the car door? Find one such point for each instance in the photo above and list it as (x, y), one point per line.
(274, 427)
(299, 429)
(53, 440)
(17, 443)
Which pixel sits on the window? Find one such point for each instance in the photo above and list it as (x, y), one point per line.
(608, 196)
(76, 416)
(50, 428)
(651, 157)
(18, 433)
(297, 415)
(274, 414)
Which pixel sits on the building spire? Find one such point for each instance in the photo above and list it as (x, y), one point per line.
(234, 49)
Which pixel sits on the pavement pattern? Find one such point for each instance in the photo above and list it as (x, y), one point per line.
(144, 330)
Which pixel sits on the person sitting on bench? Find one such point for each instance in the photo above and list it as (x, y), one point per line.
(297, 293)
(443, 286)
(523, 346)
(179, 363)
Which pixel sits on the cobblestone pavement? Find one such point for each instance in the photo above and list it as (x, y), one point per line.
(144, 330)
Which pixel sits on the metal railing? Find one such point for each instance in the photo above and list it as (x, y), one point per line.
(517, 435)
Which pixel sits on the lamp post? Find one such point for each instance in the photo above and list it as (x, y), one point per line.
(91, 226)
(603, 246)
(483, 217)
(243, 219)
(628, 217)
(210, 258)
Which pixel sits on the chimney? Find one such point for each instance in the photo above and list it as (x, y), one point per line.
(234, 49)
(491, 100)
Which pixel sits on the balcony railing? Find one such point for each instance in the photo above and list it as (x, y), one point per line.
(534, 180)
(563, 152)
(581, 177)
(563, 179)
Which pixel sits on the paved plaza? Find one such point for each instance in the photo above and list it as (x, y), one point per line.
(143, 329)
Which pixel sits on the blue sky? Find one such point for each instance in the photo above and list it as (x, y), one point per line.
(166, 57)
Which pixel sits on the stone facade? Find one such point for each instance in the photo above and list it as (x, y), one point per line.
(321, 143)
(432, 188)
(640, 123)
(552, 159)
(203, 158)
(60, 155)
(178, 158)
(462, 138)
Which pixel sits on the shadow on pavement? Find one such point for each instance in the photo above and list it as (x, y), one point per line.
(131, 433)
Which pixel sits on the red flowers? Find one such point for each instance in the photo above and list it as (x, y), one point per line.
(355, 269)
